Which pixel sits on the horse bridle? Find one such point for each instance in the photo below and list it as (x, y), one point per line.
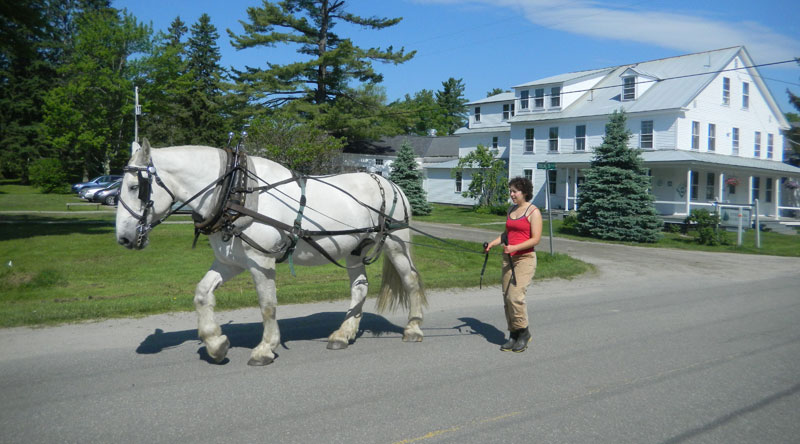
(145, 190)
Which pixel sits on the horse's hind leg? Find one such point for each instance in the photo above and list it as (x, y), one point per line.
(341, 338)
(263, 271)
(398, 253)
(204, 301)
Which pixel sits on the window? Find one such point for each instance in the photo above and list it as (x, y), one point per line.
(735, 141)
(458, 181)
(694, 185)
(695, 135)
(770, 140)
(555, 97)
(523, 99)
(768, 191)
(538, 98)
(506, 111)
(629, 88)
(551, 177)
(757, 145)
(528, 140)
(646, 139)
(580, 138)
(477, 113)
(756, 184)
(553, 145)
(494, 142)
(379, 162)
(528, 174)
(726, 91)
(712, 137)
(709, 186)
(745, 95)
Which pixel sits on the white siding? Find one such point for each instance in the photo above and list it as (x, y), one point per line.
(708, 108)
(440, 187)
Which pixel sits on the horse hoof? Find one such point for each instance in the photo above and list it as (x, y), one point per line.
(337, 345)
(412, 337)
(260, 362)
(217, 348)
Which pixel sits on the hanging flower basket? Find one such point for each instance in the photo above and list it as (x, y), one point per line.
(791, 184)
(732, 181)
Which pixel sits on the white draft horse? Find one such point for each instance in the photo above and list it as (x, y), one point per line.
(156, 178)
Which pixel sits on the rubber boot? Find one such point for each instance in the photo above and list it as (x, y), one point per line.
(523, 337)
(512, 339)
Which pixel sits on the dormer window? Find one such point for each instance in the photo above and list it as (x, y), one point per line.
(629, 88)
(555, 97)
(523, 99)
(477, 113)
(538, 98)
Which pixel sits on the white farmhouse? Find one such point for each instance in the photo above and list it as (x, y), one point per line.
(708, 127)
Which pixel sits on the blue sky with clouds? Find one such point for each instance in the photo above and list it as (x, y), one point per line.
(501, 43)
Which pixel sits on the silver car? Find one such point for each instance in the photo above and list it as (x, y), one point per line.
(89, 192)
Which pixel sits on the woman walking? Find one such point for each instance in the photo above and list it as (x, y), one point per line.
(523, 231)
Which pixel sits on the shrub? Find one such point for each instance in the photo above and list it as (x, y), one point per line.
(498, 210)
(706, 226)
(48, 175)
(570, 224)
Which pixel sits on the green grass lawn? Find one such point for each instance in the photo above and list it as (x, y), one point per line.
(63, 267)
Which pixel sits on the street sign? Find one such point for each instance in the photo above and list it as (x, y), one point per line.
(545, 166)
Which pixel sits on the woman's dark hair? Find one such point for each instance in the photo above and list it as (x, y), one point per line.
(524, 185)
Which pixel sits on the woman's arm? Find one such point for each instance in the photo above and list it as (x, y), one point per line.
(535, 220)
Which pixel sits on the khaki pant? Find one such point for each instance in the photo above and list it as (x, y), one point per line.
(514, 295)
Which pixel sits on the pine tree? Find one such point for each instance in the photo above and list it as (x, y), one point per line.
(453, 104)
(408, 177)
(615, 202)
(206, 103)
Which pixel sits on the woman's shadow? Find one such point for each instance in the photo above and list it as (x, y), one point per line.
(488, 331)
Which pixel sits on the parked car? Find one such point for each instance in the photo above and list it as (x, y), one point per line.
(107, 195)
(89, 192)
(99, 181)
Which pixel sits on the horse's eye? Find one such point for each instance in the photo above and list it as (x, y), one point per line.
(134, 187)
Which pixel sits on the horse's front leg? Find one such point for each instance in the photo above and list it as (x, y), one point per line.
(208, 330)
(264, 278)
(359, 287)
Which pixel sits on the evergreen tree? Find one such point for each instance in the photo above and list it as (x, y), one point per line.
(164, 89)
(406, 174)
(330, 62)
(207, 125)
(489, 183)
(495, 92)
(615, 202)
(453, 104)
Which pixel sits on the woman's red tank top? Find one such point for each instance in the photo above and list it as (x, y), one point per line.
(519, 230)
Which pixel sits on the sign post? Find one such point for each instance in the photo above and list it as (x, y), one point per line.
(548, 166)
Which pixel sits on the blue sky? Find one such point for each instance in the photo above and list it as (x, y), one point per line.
(501, 43)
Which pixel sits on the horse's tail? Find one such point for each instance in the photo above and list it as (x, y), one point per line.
(394, 292)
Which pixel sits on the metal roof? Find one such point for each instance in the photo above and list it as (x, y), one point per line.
(502, 97)
(687, 157)
(679, 80)
(561, 78)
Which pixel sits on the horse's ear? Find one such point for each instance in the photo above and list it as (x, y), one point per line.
(142, 155)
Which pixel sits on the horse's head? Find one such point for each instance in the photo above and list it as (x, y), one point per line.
(143, 200)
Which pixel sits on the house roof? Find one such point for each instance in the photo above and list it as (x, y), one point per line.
(561, 78)
(423, 146)
(678, 81)
(688, 157)
(502, 97)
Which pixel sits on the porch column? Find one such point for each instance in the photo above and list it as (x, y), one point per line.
(776, 196)
(749, 189)
(688, 191)
(575, 189)
(721, 193)
(566, 190)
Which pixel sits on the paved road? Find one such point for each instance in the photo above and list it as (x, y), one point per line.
(657, 346)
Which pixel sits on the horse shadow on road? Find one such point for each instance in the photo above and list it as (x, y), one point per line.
(248, 335)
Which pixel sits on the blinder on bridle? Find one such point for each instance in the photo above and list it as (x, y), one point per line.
(145, 194)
